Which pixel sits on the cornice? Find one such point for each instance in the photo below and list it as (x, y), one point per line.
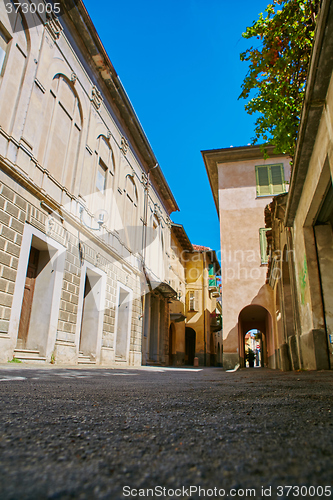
(212, 157)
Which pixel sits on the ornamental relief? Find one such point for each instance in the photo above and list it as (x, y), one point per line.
(96, 97)
(54, 26)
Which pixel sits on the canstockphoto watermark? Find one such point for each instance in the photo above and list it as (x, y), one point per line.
(24, 14)
(260, 492)
(188, 492)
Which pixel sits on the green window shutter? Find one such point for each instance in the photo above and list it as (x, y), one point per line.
(263, 187)
(263, 245)
(211, 276)
(277, 179)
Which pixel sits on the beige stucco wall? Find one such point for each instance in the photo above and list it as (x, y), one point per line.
(241, 216)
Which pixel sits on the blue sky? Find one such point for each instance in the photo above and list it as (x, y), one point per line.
(179, 63)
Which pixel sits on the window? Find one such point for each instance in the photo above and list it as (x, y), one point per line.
(193, 300)
(130, 217)
(263, 245)
(130, 189)
(105, 153)
(211, 276)
(3, 49)
(64, 141)
(270, 179)
(101, 176)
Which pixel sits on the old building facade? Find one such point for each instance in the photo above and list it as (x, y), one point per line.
(300, 270)
(85, 226)
(242, 181)
(180, 247)
(203, 318)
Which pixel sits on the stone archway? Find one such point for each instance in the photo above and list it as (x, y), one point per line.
(254, 317)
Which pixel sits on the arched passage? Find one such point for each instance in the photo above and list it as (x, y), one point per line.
(190, 337)
(254, 317)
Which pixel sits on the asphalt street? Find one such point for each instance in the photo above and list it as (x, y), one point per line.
(164, 433)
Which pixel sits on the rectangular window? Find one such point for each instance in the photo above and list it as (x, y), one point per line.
(263, 244)
(193, 300)
(3, 50)
(270, 179)
(101, 176)
(211, 276)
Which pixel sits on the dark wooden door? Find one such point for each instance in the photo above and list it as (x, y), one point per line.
(28, 298)
(189, 346)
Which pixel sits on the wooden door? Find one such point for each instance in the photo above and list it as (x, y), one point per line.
(28, 298)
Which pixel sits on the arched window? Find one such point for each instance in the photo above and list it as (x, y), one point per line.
(130, 215)
(64, 138)
(13, 58)
(131, 191)
(105, 164)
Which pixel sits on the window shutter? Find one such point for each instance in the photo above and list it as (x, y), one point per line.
(190, 305)
(211, 276)
(263, 245)
(263, 187)
(196, 300)
(277, 176)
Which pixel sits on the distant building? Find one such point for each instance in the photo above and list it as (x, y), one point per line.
(180, 248)
(203, 318)
(242, 182)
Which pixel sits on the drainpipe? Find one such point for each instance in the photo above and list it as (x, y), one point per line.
(144, 244)
(204, 304)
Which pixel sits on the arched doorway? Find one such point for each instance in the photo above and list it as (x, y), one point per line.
(190, 337)
(172, 342)
(255, 318)
(253, 346)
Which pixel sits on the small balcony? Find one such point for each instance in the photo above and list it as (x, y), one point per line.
(215, 322)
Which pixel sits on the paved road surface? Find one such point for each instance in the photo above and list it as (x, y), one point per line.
(111, 434)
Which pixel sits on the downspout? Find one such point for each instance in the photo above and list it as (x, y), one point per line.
(204, 304)
(145, 222)
(144, 244)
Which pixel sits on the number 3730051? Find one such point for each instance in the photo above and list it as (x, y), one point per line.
(304, 491)
(32, 8)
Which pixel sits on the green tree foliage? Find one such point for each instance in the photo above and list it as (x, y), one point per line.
(278, 69)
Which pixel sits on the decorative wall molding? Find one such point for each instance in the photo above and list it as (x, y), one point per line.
(124, 145)
(96, 97)
(54, 26)
(40, 86)
(73, 77)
